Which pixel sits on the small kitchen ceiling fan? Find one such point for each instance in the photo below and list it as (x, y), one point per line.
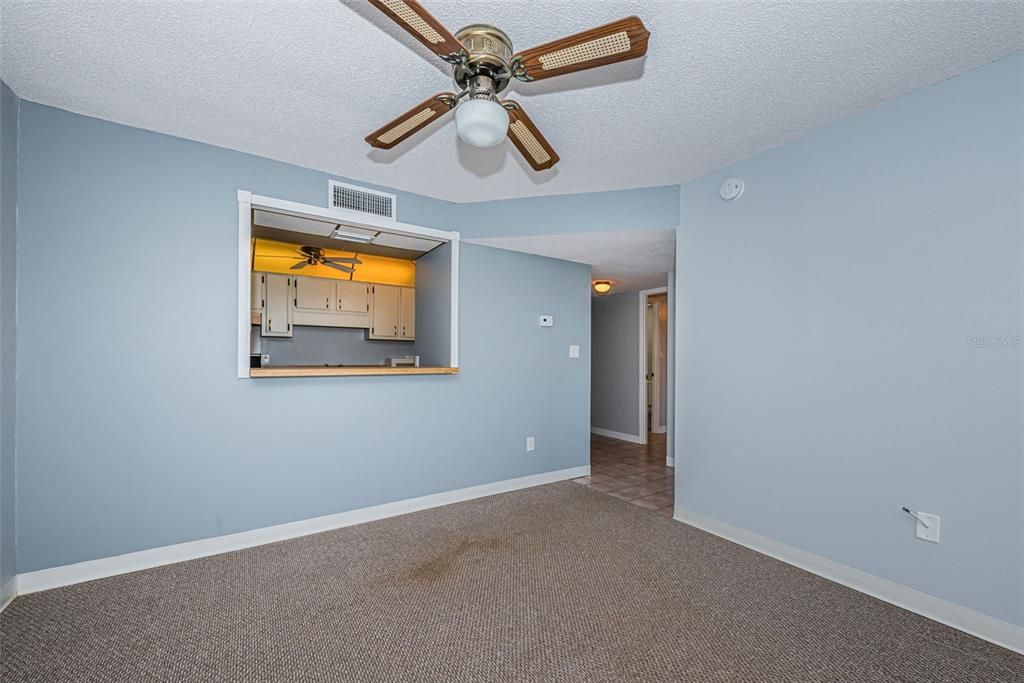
(314, 256)
(483, 64)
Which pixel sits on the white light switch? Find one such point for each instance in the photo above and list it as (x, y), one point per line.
(547, 321)
(574, 350)
(929, 532)
(530, 443)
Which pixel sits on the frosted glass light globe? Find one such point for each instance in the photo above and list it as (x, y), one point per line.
(481, 123)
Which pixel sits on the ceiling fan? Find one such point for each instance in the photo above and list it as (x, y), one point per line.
(483, 64)
(314, 256)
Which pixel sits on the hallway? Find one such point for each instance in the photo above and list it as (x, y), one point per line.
(634, 473)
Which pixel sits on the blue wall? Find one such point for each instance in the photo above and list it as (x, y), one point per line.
(8, 241)
(841, 341)
(135, 433)
(615, 370)
(648, 208)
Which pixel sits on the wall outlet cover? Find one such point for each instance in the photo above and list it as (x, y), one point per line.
(574, 350)
(547, 321)
(931, 532)
(530, 443)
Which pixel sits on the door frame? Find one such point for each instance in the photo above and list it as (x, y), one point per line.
(645, 294)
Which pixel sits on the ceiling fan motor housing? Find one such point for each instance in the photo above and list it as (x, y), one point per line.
(490, 55)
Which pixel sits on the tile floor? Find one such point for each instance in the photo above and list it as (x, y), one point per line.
(631, 472)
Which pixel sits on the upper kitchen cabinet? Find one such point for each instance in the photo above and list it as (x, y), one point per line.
(256, 299)
(352, 297)
(313, 294)
(392, 312)
(331, 303)
(278, 304)
(407, 308)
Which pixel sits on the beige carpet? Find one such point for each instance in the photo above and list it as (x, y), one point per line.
(555, 583)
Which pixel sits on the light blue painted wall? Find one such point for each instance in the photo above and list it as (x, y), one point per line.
(8, 241)
(134, 432)
(433, 306)
(828, 364)
(648, 208)
(615, 369)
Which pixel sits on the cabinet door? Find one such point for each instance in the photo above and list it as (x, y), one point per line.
(313, 293)
(353, 297)
(384, 311)
(408, 313)
(256, 299)
(277, 305)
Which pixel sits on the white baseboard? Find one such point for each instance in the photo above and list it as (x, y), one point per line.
(621, 436)
(7, 592)
(964, 619)
(145, 559)
(660, 429)
(670, 461)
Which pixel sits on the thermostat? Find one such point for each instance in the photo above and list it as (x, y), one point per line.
(731, 189)
(547, 321)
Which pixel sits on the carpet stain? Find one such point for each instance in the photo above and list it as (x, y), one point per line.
(442, 565)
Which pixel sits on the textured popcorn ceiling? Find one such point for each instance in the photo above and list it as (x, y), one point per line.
(304, 82)
(632, 259)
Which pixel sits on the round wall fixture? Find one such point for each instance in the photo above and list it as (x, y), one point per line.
(602, 286)
(731, 189)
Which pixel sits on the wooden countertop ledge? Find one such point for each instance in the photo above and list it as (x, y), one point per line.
(347, 371)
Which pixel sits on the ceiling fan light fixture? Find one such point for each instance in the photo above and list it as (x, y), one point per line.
(481, 122)
(602, 286)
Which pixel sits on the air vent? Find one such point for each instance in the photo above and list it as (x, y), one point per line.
(343, 197)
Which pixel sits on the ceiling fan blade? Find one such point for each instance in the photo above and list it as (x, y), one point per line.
(615, 42)
(527, 138)
(355, 261)
(344, 269)
(299, 265)
(422, 26)
(394, 132)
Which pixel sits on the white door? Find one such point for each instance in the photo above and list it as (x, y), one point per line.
(408, 313)
(277, 311)
(313, 293)
(384, 311)
(353, 297)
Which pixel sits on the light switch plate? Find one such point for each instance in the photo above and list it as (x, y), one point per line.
(931, 532)
(547, 321)
(530, 443)
(574, 350)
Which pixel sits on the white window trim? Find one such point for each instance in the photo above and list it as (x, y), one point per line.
(247, 201)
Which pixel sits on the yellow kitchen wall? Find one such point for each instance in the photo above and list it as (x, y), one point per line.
(270, 256)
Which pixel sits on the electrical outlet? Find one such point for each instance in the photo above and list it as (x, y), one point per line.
(927, 533)
(530, 443)
(574, 350)
(265, 359)
(546, 321)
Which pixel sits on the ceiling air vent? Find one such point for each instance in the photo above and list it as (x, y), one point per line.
(345, 198)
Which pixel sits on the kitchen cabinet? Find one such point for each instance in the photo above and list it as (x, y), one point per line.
(313, 294)
(392, 312)
(256, 299)
(324, 302)
(407, 308)
(352, 297)
(278, 302)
